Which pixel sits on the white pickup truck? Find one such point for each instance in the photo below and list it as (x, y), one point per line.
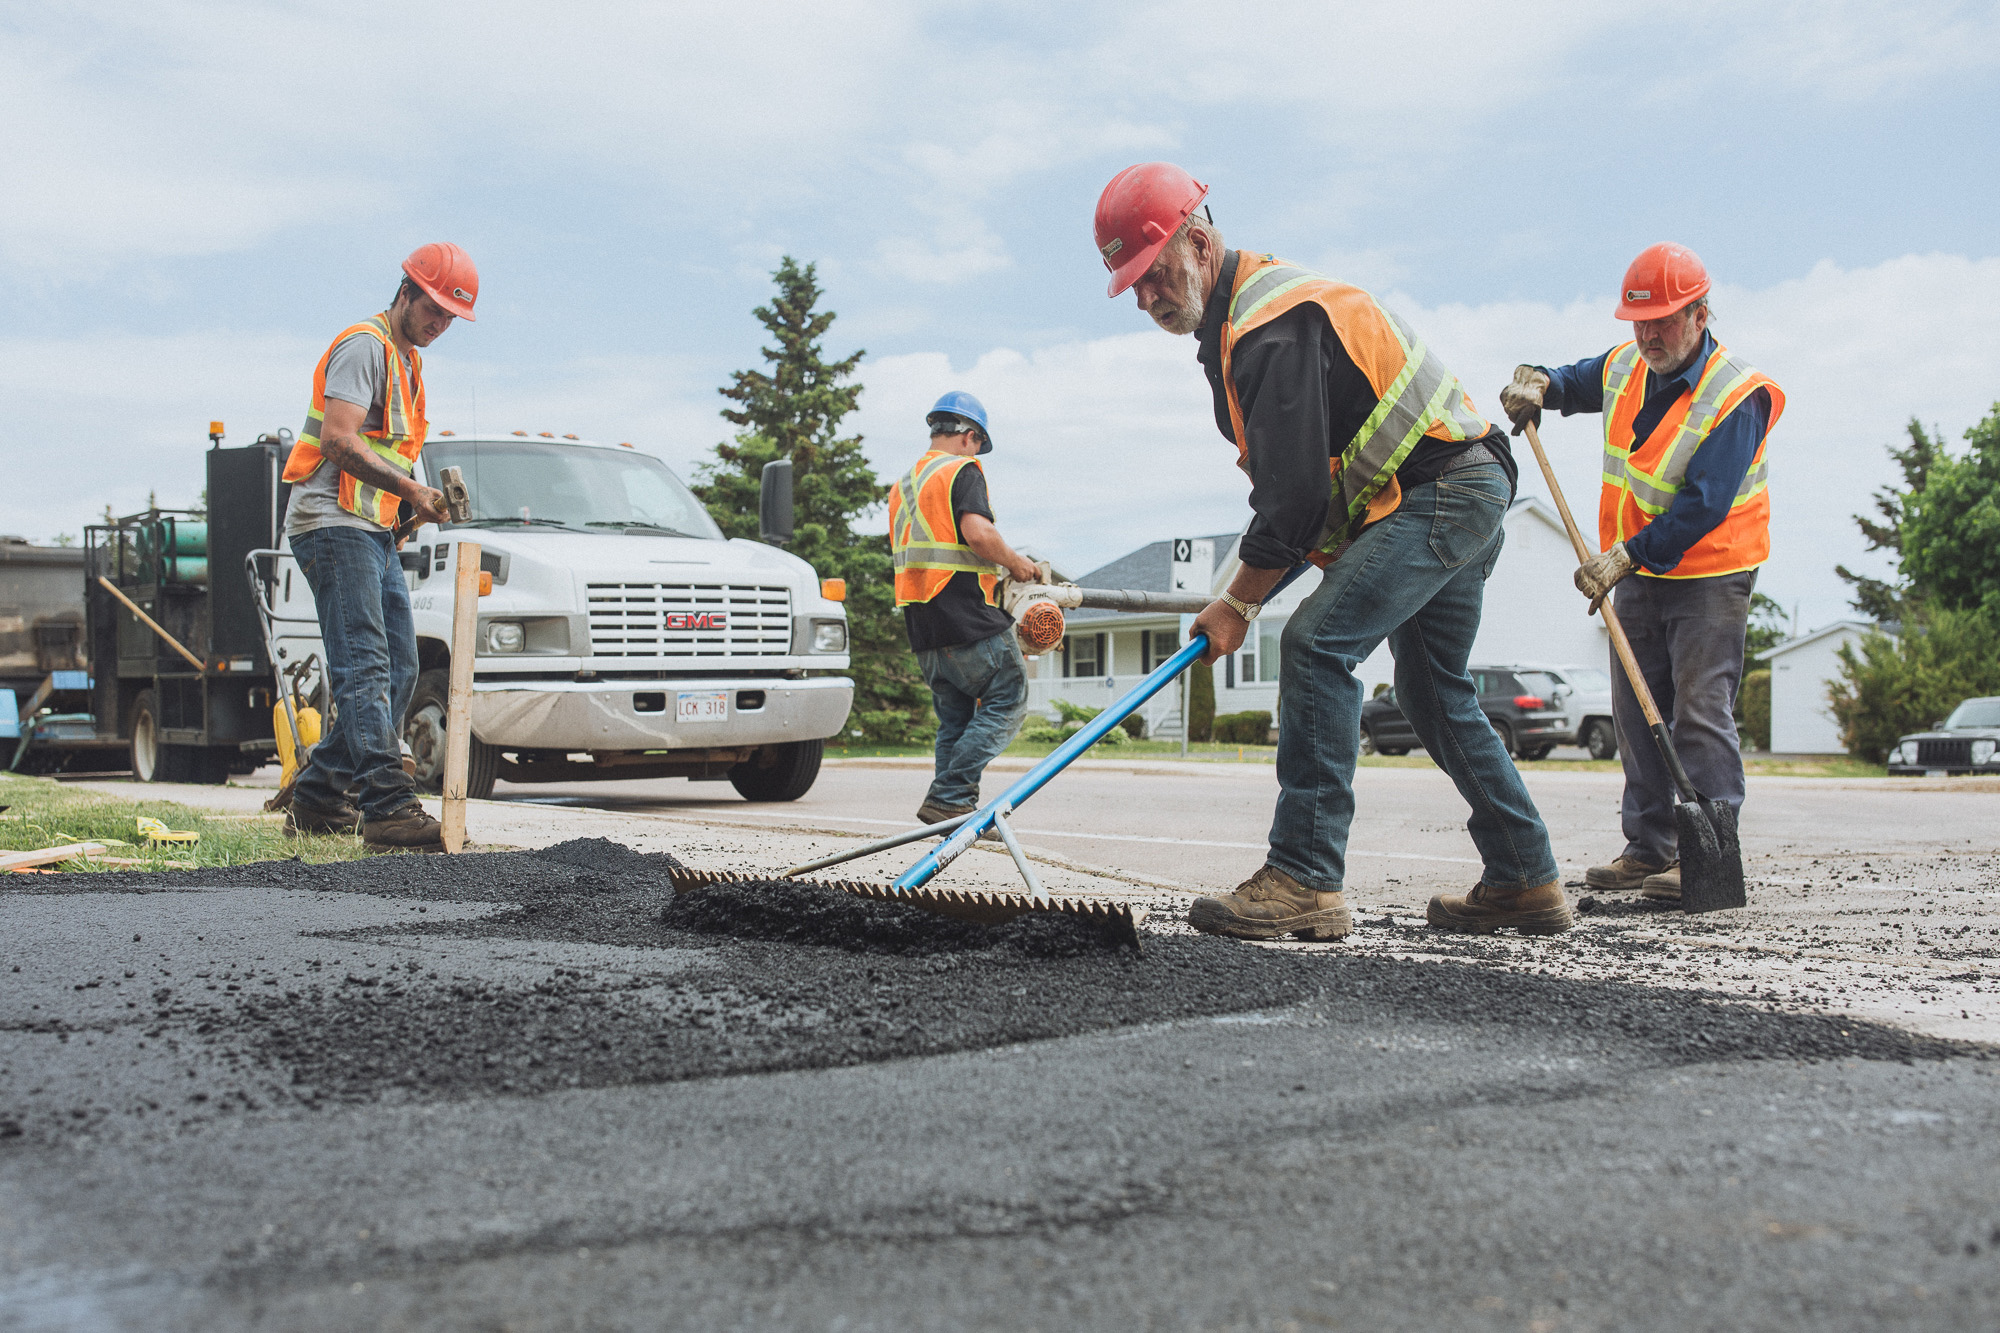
(623, 637)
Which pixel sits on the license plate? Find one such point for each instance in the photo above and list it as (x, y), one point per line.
(705, 706)
(1937, 773)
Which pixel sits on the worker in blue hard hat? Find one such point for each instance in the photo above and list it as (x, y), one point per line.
(949, 560)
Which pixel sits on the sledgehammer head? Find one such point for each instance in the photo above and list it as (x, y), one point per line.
(457, 500)
(1711, 856)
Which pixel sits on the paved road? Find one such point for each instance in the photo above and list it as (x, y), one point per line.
(511, 1099)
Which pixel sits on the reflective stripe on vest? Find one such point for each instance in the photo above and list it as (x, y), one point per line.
(1417, 395)
(1641, 478)
(399, 440)
(923, 532)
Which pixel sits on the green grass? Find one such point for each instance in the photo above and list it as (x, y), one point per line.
(41, 813)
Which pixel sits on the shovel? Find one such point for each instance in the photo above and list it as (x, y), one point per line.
(1711, 854)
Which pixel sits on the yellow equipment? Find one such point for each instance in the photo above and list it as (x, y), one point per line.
(309, 730)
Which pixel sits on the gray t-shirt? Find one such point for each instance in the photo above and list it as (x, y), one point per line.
(355, 374)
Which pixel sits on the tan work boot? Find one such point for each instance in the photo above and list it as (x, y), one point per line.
(1664, 887)
(1541, 910)
(1626, 872)
(1271, 903)
(302, 817)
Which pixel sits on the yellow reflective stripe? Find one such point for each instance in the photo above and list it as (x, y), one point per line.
(1263, 289)
(914, 545)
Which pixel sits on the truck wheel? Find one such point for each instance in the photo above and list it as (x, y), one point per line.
(1600, 739)
(779, 772)
(147, 752)
(424, 730)
(1505, 733)
(1538, 752)
(1368, 741)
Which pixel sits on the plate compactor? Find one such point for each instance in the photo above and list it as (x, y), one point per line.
(1037, 612)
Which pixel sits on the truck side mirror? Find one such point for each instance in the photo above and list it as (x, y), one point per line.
(774, 503)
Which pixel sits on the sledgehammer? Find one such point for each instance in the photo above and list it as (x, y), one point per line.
(1711, 853)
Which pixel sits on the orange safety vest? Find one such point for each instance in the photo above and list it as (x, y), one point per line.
(1418, 396)
(1639, 483)
(397, 443)
(923, 532)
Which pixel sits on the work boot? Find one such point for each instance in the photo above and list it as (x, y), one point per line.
(1271, 903)
(1627, 872)
(1664, 887)
(409, 829)
(930, 812)
(302, 817)
(1537, 911)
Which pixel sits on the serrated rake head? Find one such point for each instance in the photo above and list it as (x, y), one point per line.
(1117, 921)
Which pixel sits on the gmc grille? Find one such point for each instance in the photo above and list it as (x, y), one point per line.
(1945, 754)
(689, 620)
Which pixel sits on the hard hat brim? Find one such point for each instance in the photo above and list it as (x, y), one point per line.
(450, 304)
(1656, 309)
(1133, 269)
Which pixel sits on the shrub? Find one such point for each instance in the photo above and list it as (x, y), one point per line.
(1892, 687)
(1753, 702)
(1135, 727)
(1201, 702)
(1044, 734)
(1251, 728)
(1070, 712)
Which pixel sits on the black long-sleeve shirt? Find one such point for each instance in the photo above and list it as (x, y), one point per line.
(1303, 399)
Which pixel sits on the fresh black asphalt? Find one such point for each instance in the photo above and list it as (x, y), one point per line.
(538, 1090)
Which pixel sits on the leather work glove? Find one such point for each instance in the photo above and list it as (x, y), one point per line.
(1596, 576)
(1522, 399)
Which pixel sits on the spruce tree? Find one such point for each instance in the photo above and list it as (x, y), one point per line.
(1892, 599)
(794, 410)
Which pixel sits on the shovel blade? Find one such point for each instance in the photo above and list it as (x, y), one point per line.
(1711, 856)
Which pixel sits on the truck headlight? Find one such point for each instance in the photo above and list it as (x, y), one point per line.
(1906, 753)
(505, 636)
(1982, 752)
(829, 636)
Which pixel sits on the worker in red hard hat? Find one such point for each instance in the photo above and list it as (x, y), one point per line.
(1685, 506)
(949, 560)
(353, 478)
(1367, 458)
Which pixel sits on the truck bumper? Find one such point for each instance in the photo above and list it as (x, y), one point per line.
(639, 715)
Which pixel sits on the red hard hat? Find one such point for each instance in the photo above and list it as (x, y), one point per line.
(1137, 215)
(446, 273)
(1662, 279)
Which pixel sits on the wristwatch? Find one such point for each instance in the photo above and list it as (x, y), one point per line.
(1248, 610)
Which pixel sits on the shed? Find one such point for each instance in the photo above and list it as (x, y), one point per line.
(1802, 670)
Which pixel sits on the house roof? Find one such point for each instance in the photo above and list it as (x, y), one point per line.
(1837, 627)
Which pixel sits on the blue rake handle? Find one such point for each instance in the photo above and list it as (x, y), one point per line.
(932, 862)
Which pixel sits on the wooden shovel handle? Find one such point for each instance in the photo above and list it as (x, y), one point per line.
(1618, 639)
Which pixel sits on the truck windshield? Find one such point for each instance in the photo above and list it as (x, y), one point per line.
(572, 486)
(1588, 680)
(1975, 713)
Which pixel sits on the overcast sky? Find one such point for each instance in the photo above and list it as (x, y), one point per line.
(199, 195)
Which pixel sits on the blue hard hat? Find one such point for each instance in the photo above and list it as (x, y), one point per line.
(961, 403)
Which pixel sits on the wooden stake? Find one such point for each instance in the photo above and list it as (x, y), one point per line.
(458, 711)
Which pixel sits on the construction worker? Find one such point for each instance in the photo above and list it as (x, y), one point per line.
(1366, 457)
(949, 558)
(1685, 506)
(352, 472)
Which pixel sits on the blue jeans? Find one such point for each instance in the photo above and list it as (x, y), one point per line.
(1687, 636)
(371, 668)
(1416, 578)
(980, 691)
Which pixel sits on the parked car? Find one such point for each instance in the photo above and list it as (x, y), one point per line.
(1524, 706)
(1966, 742)
(1587, 706)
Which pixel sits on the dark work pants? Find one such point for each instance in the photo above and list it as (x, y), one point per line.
(1687, 635)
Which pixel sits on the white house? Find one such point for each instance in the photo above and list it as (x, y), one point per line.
(1533, 614)
(1801, 671)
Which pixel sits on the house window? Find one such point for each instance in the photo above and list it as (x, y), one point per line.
(1083, 655)
(1156, 646)
(1268, 657)
(1249, 656)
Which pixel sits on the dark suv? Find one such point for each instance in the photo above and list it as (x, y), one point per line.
(1521, 705)
(1966, 742)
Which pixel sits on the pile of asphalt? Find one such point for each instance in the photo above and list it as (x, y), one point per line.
(776, 976)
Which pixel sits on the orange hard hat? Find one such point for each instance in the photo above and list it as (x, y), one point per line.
(1662, 279)
(446, 273)
(1137, 215)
